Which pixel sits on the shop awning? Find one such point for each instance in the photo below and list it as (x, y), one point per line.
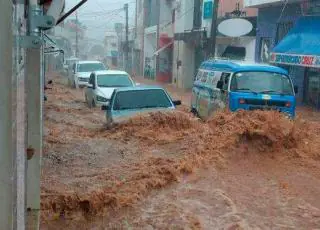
(302, 44)
(163, 48)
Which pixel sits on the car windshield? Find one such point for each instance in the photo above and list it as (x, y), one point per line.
(261, 82)
(114, 80)
(140, 99)
(90, 67)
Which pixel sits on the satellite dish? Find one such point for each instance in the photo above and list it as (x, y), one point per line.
(235, 27)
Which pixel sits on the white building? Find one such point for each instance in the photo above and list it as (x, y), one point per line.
(111, 45)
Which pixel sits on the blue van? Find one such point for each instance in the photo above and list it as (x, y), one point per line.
(237, 85)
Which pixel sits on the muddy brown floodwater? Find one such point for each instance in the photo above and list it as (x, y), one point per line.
(245, 170)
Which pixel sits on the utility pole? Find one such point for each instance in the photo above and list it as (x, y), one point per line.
(77, 39)
(158, 37)
(126, 51)
(213, 36)
(7, 135)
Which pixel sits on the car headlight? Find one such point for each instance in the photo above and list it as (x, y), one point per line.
(102, 99)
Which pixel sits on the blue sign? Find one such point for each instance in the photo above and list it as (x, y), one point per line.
(114, 53)
(207, 10)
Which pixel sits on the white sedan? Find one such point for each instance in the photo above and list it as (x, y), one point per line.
(103, 83)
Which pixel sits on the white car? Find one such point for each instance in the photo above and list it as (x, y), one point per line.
(67, 66)
(81, 72)
(103, 83)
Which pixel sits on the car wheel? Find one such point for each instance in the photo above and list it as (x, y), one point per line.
(194, 112)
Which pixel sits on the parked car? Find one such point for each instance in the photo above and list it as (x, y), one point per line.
(242, 85)
(81, 72)
(67, 65)
(102, 84)
(131, 101)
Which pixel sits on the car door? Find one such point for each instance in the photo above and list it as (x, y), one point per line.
(89, 89)
(203, 96)
(195, 91)
(224, 92)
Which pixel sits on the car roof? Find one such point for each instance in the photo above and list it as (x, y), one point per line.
(139, 88)
(88, 62)
(236, 66)
(106, 72)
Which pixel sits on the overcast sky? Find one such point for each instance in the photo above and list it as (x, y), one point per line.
(100, 15)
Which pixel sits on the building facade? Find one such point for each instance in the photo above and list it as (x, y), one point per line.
(284, 39)
(111, 46)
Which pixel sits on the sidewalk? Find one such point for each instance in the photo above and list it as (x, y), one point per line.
(176, 93)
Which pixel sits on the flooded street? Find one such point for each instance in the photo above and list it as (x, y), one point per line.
(245, 170)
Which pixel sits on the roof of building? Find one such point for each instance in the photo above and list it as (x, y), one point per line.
(237, 66)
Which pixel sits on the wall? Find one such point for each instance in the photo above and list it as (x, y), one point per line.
(184, 16)
(267, 28)
(248, 42)
(183, 76)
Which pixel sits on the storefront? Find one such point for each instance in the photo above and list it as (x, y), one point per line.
(301, 48)
(286, 37)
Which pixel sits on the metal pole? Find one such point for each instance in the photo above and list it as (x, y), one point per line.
(77, 39)
(126, 51)
(7, 158)
(158, 37)
(34, 90)
(213, 37)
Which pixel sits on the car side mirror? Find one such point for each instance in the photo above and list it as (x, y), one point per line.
(49, 82)
(219, 84)
(296, 89)
(177, 102)
(105, 107)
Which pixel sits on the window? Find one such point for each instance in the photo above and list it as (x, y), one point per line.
(139, 99)
(90, 67)
(91, 80)
(225, 77)
(261, 82)
(114, 80)
(265, 50)
(216, 78)
(199, 75)
(282, 30)
(204, 77)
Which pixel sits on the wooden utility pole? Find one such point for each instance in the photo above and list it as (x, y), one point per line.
(213, 36)
(126, 51)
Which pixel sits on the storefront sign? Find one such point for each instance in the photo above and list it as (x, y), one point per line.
(300, 60)
(207, 10)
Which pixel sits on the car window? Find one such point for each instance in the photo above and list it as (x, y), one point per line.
(225, 78)
(90, 67)
(211, 76)
(199, 75)
(216, 78)
(114, 80)
(91, 81)
(141, 99)
(204, 77)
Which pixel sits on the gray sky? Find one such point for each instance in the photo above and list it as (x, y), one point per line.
(100, 15)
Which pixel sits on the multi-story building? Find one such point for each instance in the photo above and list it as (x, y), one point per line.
(111, 45)
(236, 31)
(288, 35)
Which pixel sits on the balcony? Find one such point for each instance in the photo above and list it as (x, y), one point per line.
(265, 3)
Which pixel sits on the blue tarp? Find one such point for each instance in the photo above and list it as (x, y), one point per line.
(303, 38)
